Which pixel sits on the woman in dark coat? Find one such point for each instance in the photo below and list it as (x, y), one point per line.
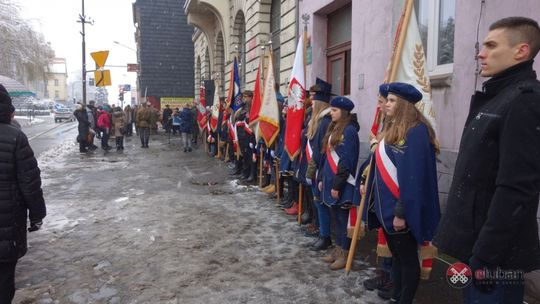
(84, 128)
(20, 193)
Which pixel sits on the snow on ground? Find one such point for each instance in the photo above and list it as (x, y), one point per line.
(161, 226)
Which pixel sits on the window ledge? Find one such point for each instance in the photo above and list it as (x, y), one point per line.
(441, 80)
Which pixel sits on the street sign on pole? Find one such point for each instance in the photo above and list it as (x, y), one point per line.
(100, 58)
(103, 78)
(132, 67)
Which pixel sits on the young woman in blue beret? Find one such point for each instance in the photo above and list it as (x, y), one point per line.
(341, 146)
(402, 193)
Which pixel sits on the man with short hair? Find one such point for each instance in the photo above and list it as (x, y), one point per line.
(490, 221)
(21, 196)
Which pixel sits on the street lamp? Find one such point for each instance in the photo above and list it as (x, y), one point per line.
(127, 47)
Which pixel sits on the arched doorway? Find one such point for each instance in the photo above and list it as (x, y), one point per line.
(219, 62)
(206, 69)
(198, 81)
(239, 45)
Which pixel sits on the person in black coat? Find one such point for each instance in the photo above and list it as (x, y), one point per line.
(83, 128)
(490, 221)
(20, 191)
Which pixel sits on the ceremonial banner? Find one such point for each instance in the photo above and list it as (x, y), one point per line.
(234, 99)
(269, 113)
(256, 104)
(201, 109)
(216, 107)
(295, 104)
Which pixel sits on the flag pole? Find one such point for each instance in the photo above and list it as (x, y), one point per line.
(300, 186)
(396, 56)
(260, 167)
(277, 182)
(401, 41)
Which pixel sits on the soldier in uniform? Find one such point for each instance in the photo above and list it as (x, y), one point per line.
(246, 139)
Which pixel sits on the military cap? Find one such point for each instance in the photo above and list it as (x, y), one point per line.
(342, 103)
(405, 91)
(322, 90)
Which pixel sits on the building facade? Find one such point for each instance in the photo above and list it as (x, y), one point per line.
(56, 87)
(350, 46)
(164, 50)
(226, 29)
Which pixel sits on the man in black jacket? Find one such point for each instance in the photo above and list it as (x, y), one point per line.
(20, 190)
(490, 221)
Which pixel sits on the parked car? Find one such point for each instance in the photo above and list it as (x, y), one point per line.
(61, 113)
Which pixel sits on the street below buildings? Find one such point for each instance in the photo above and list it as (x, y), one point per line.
(162, 226)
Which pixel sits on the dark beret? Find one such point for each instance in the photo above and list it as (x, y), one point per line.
(405, 91)
(342, 103)
(383, 90)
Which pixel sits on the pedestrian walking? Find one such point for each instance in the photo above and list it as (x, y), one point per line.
(186, 127)
(129, 121)
(21, 196)
(143, 119)
(104, 125)
(165, 119)
(119, 124)
(83, 128)
(490, 221)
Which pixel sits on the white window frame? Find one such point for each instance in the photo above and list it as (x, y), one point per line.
(435, 70)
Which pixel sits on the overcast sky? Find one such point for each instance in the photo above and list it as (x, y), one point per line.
(113, 21)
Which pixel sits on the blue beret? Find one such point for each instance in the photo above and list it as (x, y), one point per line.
(323, 90)
(405, 91)
(383, 90)
(342, 103)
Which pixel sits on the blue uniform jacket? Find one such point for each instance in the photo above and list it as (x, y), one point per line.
(316, 145)
(347, 151)
(417, 178)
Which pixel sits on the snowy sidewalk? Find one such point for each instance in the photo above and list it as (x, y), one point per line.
(138, 227)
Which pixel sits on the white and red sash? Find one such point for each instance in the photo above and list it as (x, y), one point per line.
(309, 151)
(387, 169)
(333, 161)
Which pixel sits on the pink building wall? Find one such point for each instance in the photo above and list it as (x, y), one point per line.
(372, 33)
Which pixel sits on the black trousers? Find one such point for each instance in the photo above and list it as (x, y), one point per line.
(7, 281)
(405, 266)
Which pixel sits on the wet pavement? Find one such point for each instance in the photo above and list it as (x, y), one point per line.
(161, 226)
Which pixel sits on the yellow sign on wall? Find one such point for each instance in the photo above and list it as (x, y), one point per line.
(174, 102)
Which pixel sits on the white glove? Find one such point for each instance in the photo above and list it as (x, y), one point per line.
(251, 145)
(272, 153)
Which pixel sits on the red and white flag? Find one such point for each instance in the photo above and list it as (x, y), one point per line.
(269, 113)
(256, 104)
(216, 107)
(201, 110)
(295, 104)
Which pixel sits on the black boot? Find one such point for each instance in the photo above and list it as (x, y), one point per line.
(322, 244)
(378, 281)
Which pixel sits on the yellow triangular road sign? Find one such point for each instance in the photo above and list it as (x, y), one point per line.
(100, 58)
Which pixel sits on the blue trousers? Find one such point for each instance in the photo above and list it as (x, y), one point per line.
(324, 219)
(341, 217)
